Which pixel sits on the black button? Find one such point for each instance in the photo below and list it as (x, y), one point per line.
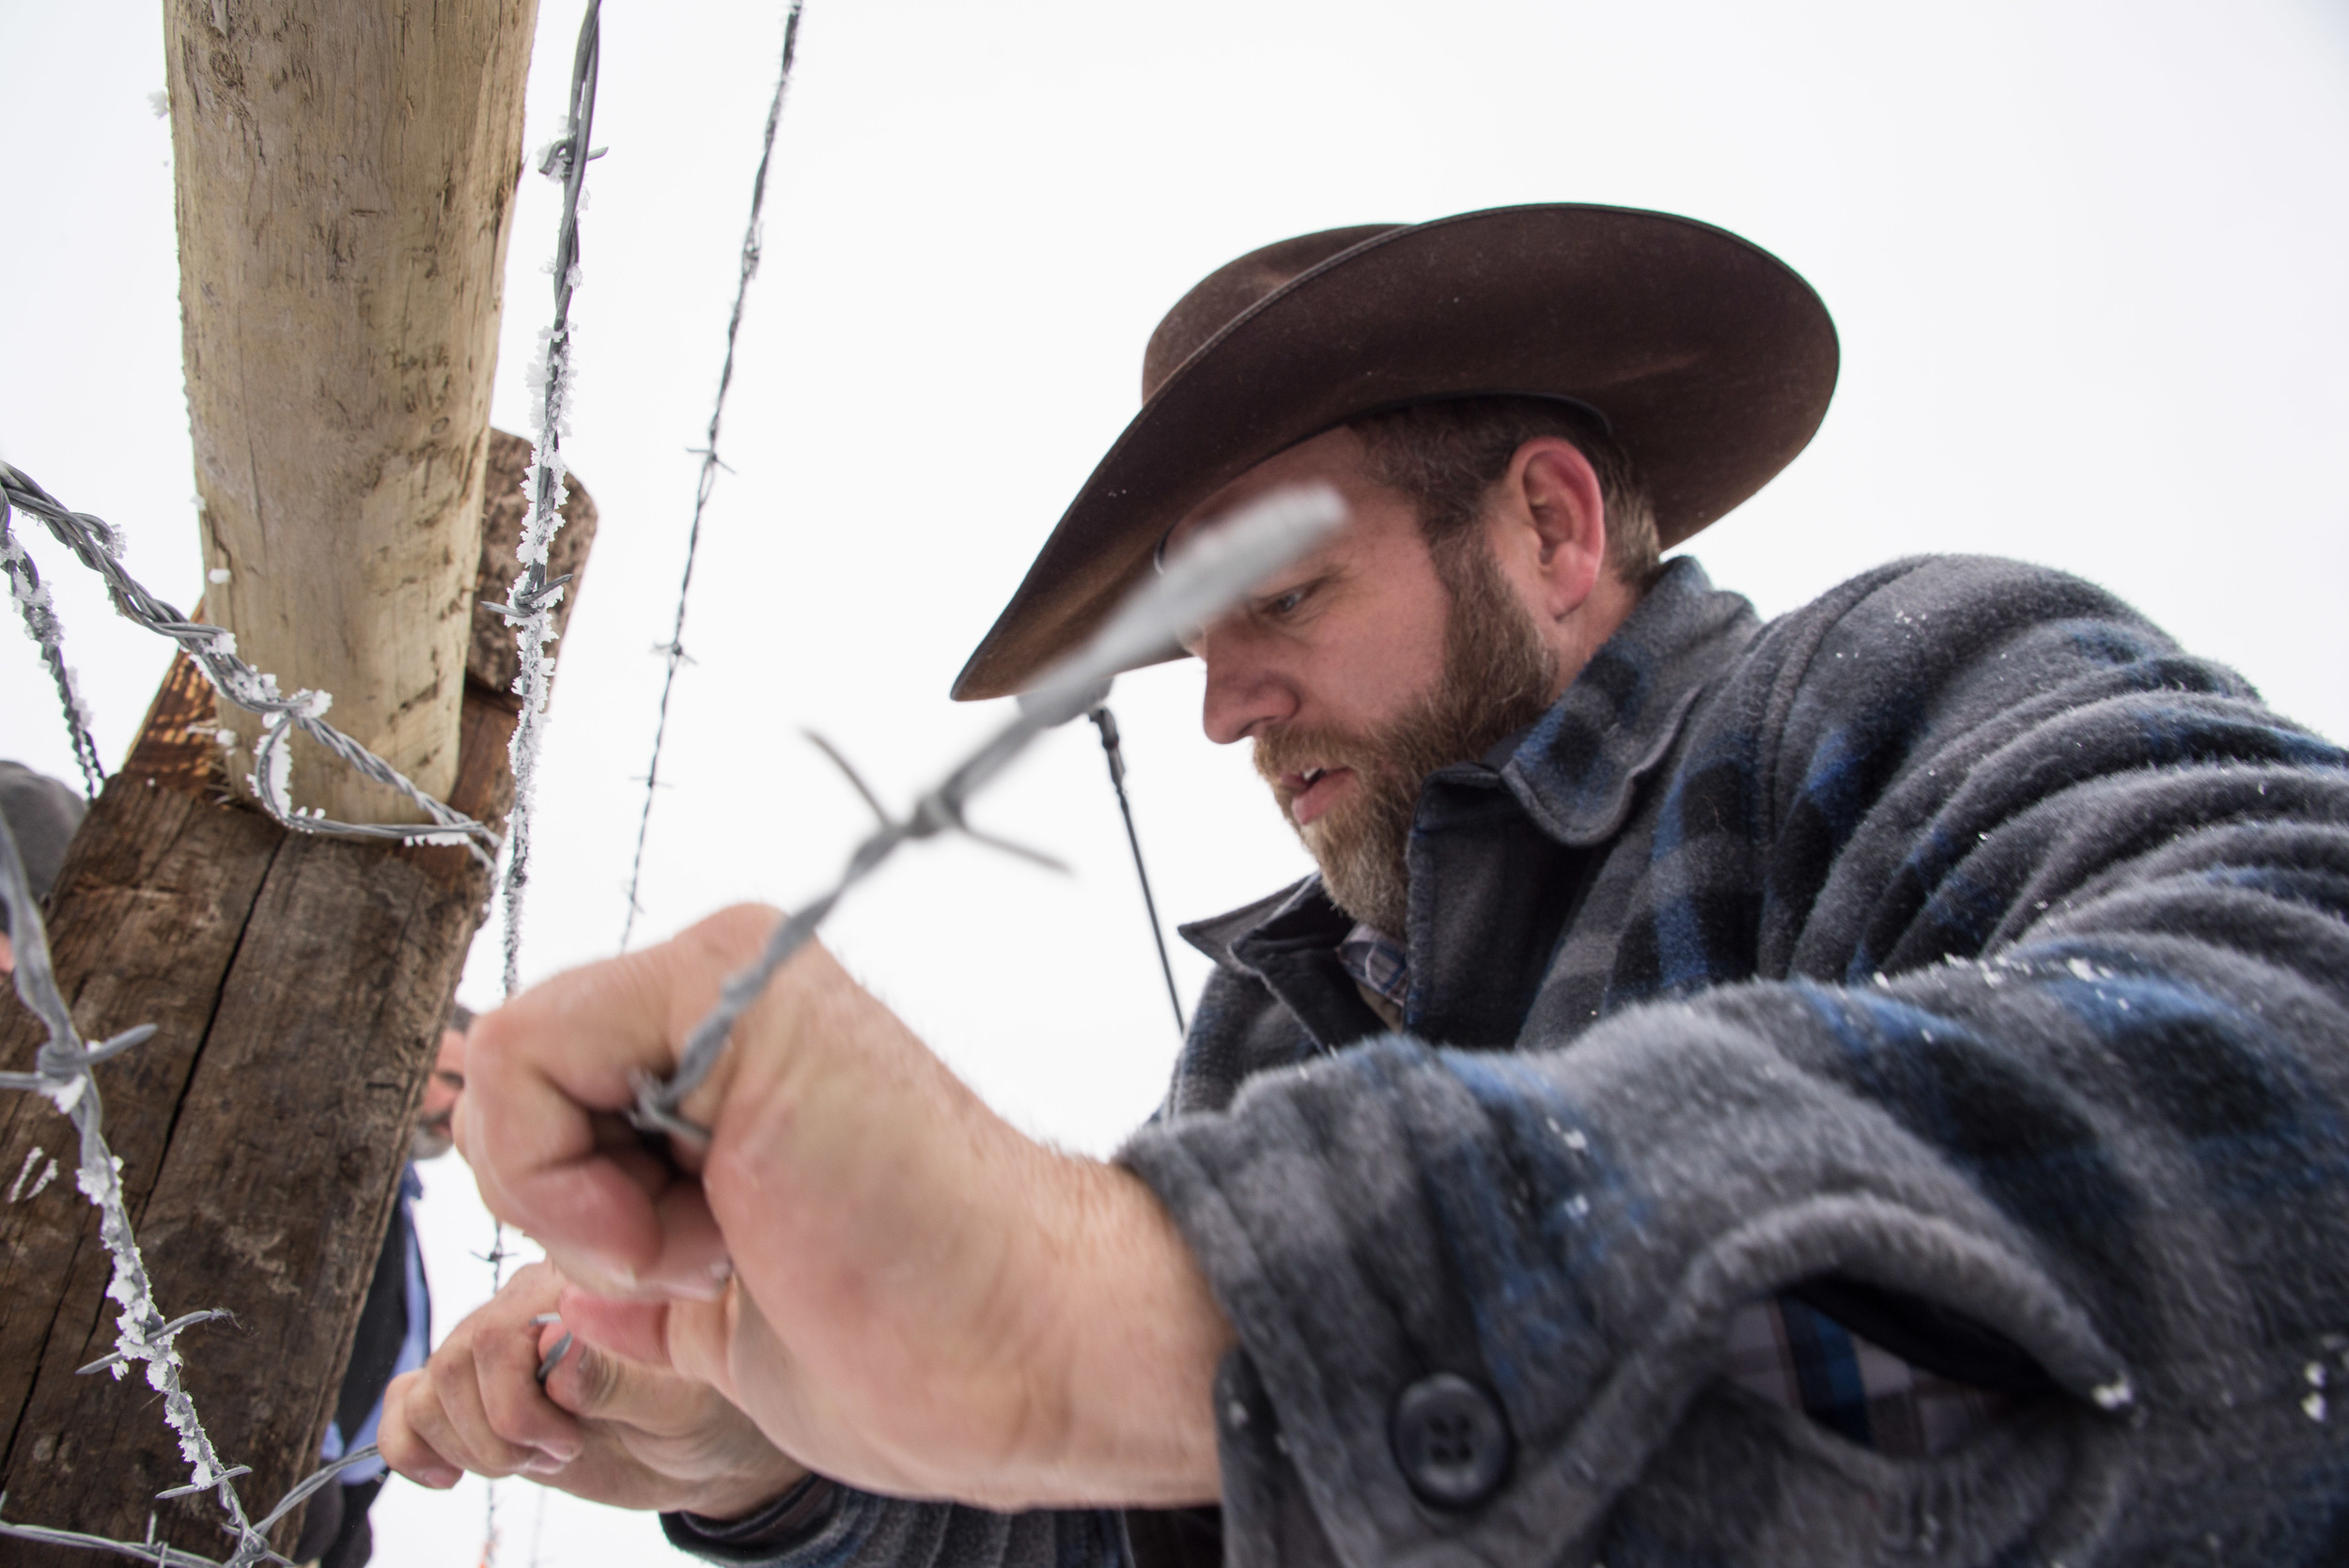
(1451, 1441)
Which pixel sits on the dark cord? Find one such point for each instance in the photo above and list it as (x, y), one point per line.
(1106, 721)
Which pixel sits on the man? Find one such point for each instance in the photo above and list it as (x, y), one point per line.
(1934, 995)
(394, 1332)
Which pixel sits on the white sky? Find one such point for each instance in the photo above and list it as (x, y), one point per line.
(2086, 259)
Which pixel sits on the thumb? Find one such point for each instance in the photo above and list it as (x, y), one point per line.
(634, 1331)
(595, 1386)
(679, 1339)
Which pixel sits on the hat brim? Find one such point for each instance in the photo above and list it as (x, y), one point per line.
(1712, 360)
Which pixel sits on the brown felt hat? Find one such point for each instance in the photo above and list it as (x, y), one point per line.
(1710, 361)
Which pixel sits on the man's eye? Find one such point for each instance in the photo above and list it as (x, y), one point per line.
(1285, 604)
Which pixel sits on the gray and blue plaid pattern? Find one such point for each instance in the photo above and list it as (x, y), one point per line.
(1956, 935)
(1788, 1352)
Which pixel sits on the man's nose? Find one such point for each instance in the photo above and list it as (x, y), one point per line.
(1245, 693)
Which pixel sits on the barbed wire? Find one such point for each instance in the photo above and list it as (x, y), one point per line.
(41, 624)
(673, 651)
(530, 604)
(97, 545)
(1217, 569)
(163, 1553)
(529, 609)
(62, 1071)
(63, 1064)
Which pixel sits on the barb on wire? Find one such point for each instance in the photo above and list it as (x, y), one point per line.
(170, 1330)
(1217, 568)
(1112, 748)
(674, 650)
(530, 604)
(41, 624)
(214, 650)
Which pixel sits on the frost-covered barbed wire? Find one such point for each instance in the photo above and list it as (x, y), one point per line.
(530, 605)
(97, 545)
(165, 1555)
(62, 1071)
(1215, 571)
(39, 614)
(673, 651)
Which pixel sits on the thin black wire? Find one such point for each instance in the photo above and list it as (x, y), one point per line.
(674, 650)
(1106, 721)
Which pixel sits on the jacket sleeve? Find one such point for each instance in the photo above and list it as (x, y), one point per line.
(2051, 1035)
(821, 1524)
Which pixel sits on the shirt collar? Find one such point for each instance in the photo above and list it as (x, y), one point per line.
(1377, 963)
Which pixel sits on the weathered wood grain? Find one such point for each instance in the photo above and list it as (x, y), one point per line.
(344, 175)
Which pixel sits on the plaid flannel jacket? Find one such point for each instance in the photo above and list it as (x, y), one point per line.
(1781, 1348)
(1954, 944)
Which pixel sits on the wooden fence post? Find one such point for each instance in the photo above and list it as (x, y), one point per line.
(345, 173)
(299, 984)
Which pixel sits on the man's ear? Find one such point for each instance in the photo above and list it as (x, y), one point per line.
(1550, 502)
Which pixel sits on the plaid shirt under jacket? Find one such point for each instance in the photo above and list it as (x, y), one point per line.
(1953, 958)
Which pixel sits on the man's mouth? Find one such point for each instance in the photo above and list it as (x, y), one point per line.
(1313, 790)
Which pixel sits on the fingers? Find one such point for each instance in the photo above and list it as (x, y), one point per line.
(547, 1075)
(476, 1405)
(643, 1422)
(404, 1448)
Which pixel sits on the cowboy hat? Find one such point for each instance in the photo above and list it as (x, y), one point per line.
(1709, 360)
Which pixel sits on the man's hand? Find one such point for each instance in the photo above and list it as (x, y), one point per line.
(602, 1429)
(903, 1291)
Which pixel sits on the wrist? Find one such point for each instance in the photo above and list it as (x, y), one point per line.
(1142, 1337)
(783, 1525)
(727, 1498)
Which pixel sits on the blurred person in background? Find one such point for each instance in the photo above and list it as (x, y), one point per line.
(42, 816)
(395, 1333)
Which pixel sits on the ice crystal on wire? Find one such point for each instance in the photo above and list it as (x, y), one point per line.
(532, 599)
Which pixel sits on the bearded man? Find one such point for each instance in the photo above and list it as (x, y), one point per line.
(1861, 1089)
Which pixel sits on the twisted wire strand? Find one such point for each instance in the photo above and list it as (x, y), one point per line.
(97, 545)
(673, 651)
(530, 604)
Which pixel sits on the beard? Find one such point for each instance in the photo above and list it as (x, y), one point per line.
(431, 1139)
(1496, 680)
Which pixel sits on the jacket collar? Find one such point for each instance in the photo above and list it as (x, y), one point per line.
(1575, 772)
